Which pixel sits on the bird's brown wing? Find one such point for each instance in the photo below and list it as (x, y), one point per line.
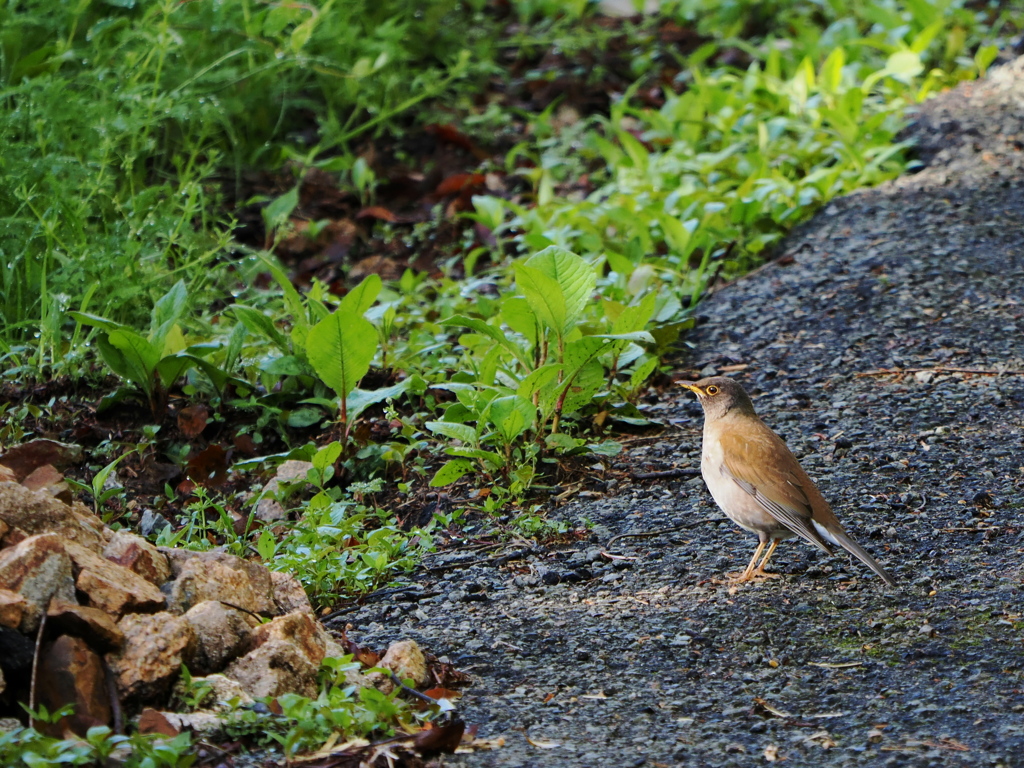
(760, 463)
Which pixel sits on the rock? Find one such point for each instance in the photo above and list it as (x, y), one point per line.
(112, 587)
(151, 522)
(222, 634)
(38, 512)
(203, 725)
(268, 508)
(285, 658)
(91, 624)
(200, 576)
(288, 593)
(38, 569)
(23, 459)
(7, 475)
(406, 660)
(155, 647)
(12, 608)
(223, 694)
(47, 479)
(70, 672)
(139, 556)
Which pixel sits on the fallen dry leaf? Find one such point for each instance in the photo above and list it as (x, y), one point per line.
(192, 420)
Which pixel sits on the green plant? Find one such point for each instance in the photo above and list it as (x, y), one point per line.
(155, 361)
(341, 546)
(27, 746)
(97, 486)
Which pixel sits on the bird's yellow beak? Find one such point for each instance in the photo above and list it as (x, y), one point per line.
(692, 387)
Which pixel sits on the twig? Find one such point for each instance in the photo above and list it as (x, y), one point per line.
(495, 561)
(659, 532)
(667, 473)
(115, 702)
(35, 669)
(938, 369)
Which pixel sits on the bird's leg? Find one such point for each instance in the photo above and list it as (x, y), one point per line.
(747, 575)
(760, 571)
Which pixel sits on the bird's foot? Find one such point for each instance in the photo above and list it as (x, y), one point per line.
(742, 577)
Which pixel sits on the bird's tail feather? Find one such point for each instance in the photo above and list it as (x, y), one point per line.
(855, 549)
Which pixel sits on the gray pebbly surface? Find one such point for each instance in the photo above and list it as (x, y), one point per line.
(647, 662)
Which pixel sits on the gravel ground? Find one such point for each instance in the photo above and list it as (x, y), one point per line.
(582, 661)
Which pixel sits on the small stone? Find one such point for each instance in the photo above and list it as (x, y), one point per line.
(48, 480)
(38, 569)
(200, 576)
(155, 647)
(112, 587)
(285, 658)
(151, 522)
(406, 660)
(288, 593)
(139, 556)
(222, 634)
(12, 608)
(91, 624)
(70, 672)
(37, 512)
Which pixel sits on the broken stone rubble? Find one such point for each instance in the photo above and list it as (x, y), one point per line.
(115, 605)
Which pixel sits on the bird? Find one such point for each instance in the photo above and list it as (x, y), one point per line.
(758, 482)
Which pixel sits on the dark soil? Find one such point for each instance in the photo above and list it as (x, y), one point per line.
(886, 347)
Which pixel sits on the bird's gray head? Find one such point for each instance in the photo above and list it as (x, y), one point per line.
(719, 395)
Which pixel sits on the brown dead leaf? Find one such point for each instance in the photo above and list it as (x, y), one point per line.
(460, 182)
(244, 444)
(377, 212)
(192, 419)
(445, 739)
(209, 467)
(152, 721)
(771, 754)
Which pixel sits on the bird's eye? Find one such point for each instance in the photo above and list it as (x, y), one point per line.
(712, 390)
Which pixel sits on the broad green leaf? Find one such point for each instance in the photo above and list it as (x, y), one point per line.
(361, 399)
(326, 456)
(607, 448)
(286, 365)
(140, 356)
(582, 387)
(361, 298)
(259, 324)
(544, 296)
(485, 329)
(574, 277)
(340, 348)
(517, 315)
(301, 418)
(493, 460)
(85, 318)
(642, 372)
(636, 317)
(450, 472)
(114, 359)
(511, 416)
(462, 432)
(173, 341)
(280, 209)
(166, 312)
(171, 368)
